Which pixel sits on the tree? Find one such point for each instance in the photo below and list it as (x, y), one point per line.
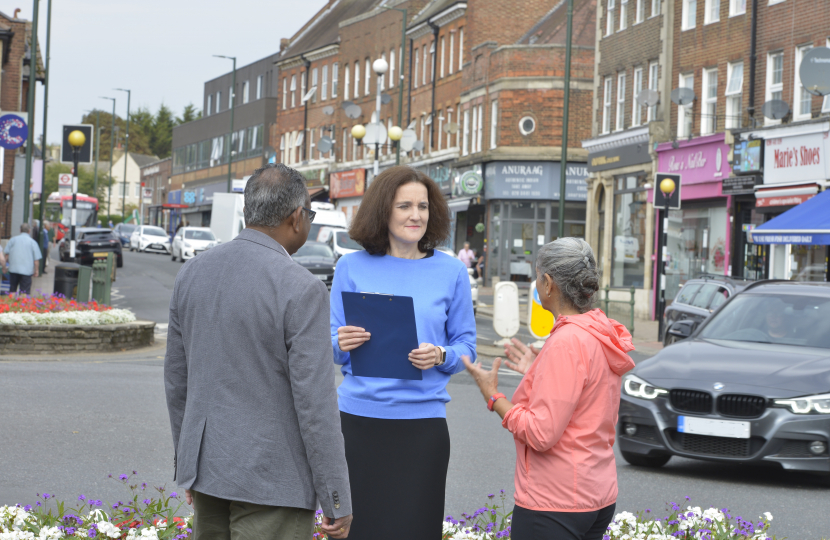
(189, 114)
(161, 138)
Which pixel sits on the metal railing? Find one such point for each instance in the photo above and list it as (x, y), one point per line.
(630, 302)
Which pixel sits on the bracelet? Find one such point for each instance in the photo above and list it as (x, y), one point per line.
(492, 401)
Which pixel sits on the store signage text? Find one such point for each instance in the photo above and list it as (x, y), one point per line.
(794, 157)
(800, 157)
(787, 200)
(692, 161)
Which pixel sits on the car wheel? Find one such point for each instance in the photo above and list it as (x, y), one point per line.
(669, 340)
(174, 256)
(640, 460)
(119, 262)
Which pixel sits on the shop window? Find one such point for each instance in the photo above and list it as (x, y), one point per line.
(696, 245)
(628, 250)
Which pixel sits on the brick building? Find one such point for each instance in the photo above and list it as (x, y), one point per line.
(15, 57)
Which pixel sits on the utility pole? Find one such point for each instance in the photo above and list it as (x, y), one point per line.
(563, 160)
(112, 148)
(126, 155)
(97, 155)
(233, 106)
(43, 194)
(30, 110)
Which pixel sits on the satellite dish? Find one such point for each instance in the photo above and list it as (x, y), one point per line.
(375, 134)
(815, 71)
(385, 98)
(648, 98)
(451, 127)
(354, 111)
(683, 96)
(408, 140)
(300, 139)
(775, 109)
(324, 145)
(346, 104)
(328, 110)
(419, 146)
(428, 121)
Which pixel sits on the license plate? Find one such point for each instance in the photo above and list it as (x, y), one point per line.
(322, 277)
(156, 246)
(100, 254)
(714, 428)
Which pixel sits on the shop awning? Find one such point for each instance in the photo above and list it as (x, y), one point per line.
(172, 205)
(808, 224)
(459, 205)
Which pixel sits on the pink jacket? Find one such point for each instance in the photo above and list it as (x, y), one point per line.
(565, 413)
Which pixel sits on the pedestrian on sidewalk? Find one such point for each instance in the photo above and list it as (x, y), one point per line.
(564, 413)
(467, 255)
(45, 243)
(397, 441)
(249, 382)
(24, 254)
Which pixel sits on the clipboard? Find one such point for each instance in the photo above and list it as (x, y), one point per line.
(391, 321)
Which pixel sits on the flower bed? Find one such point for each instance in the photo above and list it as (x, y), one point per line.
(58, 310)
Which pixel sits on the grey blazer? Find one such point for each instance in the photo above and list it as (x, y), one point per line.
(249, 380)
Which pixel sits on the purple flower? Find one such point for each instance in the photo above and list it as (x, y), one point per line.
(28, 508)
(92, 533)
(70, 531)
(38, 504)
(173, 494)
(135, 472)
(115, 506)
(146, 501)
(81, 498)
(648, 510)
(490, 496)
(46, 496)
(123, 477)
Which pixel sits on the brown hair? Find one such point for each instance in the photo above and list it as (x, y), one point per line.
(370, 226)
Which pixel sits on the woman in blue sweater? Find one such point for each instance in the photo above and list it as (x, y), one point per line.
(397, 441)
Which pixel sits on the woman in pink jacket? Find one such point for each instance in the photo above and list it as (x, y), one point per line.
(564, 412)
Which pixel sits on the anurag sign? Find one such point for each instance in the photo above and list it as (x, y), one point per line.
(534, 180)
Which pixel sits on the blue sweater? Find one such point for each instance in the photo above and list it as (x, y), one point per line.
(440, 289)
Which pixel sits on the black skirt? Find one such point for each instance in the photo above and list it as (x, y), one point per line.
(398, 475)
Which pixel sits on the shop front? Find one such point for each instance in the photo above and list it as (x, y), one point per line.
(523, 212)
(199, 201)
(170, 214)
(317, 182)
(698, 240)
(346, 189)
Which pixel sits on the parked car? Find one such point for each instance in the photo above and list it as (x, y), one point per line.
(150, 238)
(750, 385)
(473, 282)
(695, 302)
(338, 240)
(90, 244)
(190, 241)
(122, 232)
(317, 258)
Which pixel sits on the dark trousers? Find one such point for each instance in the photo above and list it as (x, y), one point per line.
(22, 281)
(535, 525)
(221, 519)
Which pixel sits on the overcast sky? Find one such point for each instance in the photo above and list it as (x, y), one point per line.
(159, 49)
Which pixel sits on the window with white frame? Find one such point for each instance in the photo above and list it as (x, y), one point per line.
(382, 78)
(494, 123)
(231, 92)
(137, 190)
(620, 102)
(480, 135)
(640, 11)
(431, 60)
(685, 121)
(324, 83)
(440, 129)
(636, 108)
(734, 94)
(775, 80)
(443, 46)
(391, 68)
(623, 14)
(368, 82)
(346, 83)
(218, 101)
(424, 66)
(606, 105)
(737, 7)
(449, 135)
(709, 110)
(803, 102)
(284, 92)
(689, 15)
(655, 7)
(421, 138)
(474, 130)
(335, 74)
(345, 147)
(653, 72)
(609, 17)
(293, 91)
(460, 48)
(466, 133)
(452, 46)
(415, 71)
(209, 107)
(711, 13)
(260, 86)
(357, 79)
(314, 80)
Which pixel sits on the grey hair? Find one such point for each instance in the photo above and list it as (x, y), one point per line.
(571, 264)
(272, 194)
(24, 227)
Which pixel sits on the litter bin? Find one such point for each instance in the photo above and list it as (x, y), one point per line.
(66, 279)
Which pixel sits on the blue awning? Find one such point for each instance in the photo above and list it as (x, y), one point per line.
(808, 224)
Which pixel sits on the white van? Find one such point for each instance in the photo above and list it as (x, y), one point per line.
(326, 216)
(338, 240)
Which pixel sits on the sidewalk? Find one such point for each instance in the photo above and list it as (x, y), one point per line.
(644, 336)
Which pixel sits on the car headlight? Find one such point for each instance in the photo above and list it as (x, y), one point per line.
(637, 387)
(819, 404)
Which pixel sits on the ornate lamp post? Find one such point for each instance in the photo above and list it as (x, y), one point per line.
(667, 186)
(232, 99)
(76, 140)
(380, 67)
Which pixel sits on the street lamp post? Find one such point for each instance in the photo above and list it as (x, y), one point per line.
(380, 67)
(112, 147)
(30, 109)
(43, 195)
(233, 106)
(400, 82)
(126, 155)
(76, 141)
(667, 186)
(563, 160)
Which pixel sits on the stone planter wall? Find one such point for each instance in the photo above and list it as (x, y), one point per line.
(45, 339)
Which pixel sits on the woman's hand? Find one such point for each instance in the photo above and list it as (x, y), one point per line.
(350, 338)
(520, 356)
(487, 381)
(426, 356)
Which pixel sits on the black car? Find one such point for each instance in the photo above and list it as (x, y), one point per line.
(698, 299)
(90, 244)
(122, 232)
(751, 385)
(319, 259)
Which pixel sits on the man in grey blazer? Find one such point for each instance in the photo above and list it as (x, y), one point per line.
(249, 379)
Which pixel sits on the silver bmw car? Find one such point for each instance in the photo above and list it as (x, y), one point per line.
(751, 384)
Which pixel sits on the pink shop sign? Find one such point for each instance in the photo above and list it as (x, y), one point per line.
(696, 161)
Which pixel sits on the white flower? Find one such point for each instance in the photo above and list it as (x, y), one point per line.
(50, 533)
(768, 516)
(108, 529)
(85, 318)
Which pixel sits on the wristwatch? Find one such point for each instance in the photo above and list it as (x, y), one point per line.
(443, 356)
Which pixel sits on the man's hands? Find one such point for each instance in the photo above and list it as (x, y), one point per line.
(188, 496)
(337, 528)
(426, 356)
(520, 356)
(350, 338)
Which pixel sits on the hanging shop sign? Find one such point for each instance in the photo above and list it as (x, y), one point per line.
(624, 156)
(471, 183)
(13, 130)
(534, 180)
(700, 160)
(348, 183)
(748, 156)
(801, 158)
